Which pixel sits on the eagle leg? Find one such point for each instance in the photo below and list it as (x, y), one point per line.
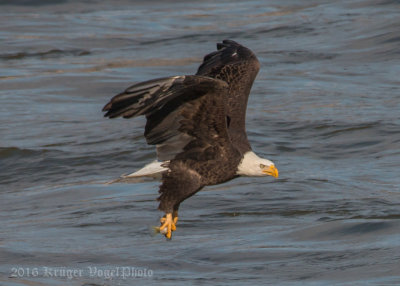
(175, 216)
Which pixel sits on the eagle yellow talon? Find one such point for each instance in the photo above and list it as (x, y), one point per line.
(167, 225)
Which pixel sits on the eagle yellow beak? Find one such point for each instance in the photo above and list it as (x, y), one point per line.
(271, 171)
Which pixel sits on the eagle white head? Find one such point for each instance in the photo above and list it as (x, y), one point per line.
(254, 166)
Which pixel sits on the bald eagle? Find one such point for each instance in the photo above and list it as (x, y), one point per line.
(197, 123)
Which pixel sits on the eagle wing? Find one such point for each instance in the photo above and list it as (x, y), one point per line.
(238, 67)
(186, 115)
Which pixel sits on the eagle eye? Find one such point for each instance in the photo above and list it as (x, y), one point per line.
(262, 166)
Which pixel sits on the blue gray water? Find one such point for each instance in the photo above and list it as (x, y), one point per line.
(325, 108)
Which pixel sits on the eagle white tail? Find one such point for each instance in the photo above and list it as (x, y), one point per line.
(154, 169)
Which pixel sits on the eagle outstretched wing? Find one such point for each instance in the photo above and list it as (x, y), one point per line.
(238, 67)
(185, 114)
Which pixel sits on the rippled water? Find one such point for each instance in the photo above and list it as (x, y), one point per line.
(324, 107)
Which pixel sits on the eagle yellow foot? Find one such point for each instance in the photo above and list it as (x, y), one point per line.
(168, 224)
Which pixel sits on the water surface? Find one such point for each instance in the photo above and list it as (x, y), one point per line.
(324, 108)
